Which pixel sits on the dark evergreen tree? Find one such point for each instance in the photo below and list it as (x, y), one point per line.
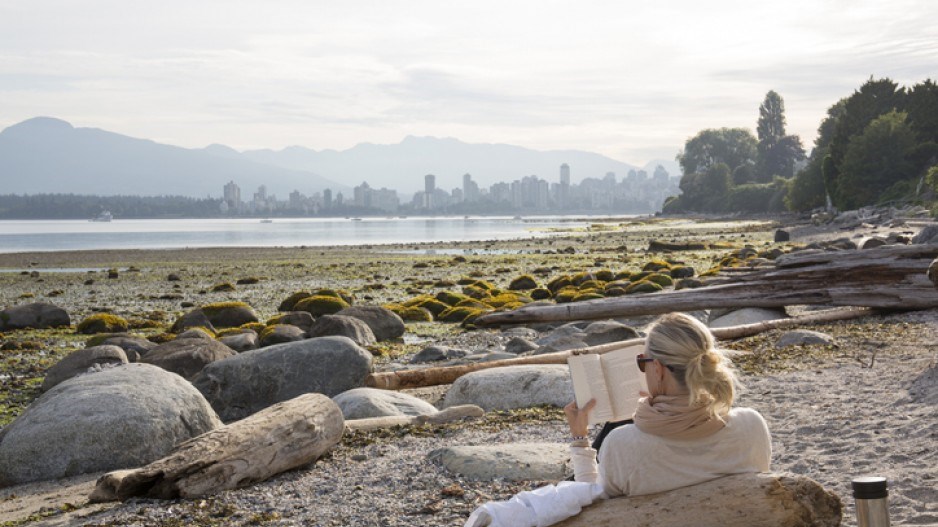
(778, 152)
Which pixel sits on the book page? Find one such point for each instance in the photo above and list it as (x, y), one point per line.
(589, 383)
(624, 381)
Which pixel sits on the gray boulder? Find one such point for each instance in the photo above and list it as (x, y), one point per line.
(429, 354)
(38, 315)
(194, 334)
(384, 323)
(78, 362)
(606, 331)
(561, 343)
(749, 315)
(343, 326)
(241, 385)
(929, 234)
(245, 341)
(300, 319)
(803, 337)
(193, 319)
(120, 417)
(513, 387)
(519, 345)
(512, 462)
(134, 347)
(187, 357)
(362, 403)
(280, 333)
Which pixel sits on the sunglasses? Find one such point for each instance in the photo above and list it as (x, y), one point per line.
(641, 359)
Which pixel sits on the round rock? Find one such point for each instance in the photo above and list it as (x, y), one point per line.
(120, 417)
(78, 362)
(362, 403)
(804, 337)
(280, 333)
(513, 462)
(513, 387)
(38, 315)
(241, 385)
(242, 341)
(187, 357)
(384, 323)
(134, 347)
(749, 315)
(343, 326)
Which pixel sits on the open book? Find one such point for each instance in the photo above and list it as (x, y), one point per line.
(612, 378)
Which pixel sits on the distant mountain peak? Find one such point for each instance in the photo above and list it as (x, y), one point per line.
(40, 124)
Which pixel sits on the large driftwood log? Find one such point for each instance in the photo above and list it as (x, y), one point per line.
(398, 380)
(887, 277)
(284, 436)
(447, 415)
(750, 500)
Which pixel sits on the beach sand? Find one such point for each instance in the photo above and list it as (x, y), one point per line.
(865, 407)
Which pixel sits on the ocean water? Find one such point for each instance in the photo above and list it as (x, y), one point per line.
(64, 235)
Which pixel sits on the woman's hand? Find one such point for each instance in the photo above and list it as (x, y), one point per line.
(578, 418)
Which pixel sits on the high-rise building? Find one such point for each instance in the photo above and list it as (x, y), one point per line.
(429, 186)
(233, 196)
(565, 174)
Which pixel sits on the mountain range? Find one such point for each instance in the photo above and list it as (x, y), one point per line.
(44, 155)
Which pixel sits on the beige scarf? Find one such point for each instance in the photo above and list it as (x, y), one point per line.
(672, 417)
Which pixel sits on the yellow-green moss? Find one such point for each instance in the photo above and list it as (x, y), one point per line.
(227, 332)
(643, 286)
(559, 283)
(623, 275)
(318, 305)
(638, 277)
(102, 323)
(681, 271)
(161, 338)
(615, 291)
(605, 275)
(450, 298)
(474, 304)
(215, 308)
(28, 295)
(432, 305)
(223, 287)
(414, 314)
(459, 314)
(507, 298)
(256, 326)
(566, 294)
(474, 291)
(656, 265)
(290, 302)
(203, 329)
(579, 278)
(660, 279)
(590, 295)
(592, 284)
(713, 271)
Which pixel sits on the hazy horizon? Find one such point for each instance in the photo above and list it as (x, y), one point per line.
(629, 82)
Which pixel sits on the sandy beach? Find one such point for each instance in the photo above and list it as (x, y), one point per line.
(865, 406)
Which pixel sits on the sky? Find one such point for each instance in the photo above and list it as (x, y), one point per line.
(631, 80)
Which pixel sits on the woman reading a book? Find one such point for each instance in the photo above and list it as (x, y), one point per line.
(685, 429)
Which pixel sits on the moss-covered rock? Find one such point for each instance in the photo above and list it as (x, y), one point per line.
(290, 302)
(102, 323)
(229, 314)
(474, 291)
(660, 279)
(615, 291)
(713, 271)
(638, 277)
(591, 294)
(656, 265)
(459, 314)
(622, 275)
(579, 278)
(592, 284)
(161, 338)
(474, 304)
(540, 294)
(451, 298)
(566, 294)
(222, 287)
(605, 275)
(466, 280)
(507, 298)
(643, 286)
(318, 305)
(682, 271)
(248, 280)
(414, 314)
(559, 283)
(523, 283)
(432, 305)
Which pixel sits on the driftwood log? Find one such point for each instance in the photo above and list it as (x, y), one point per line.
(887, 277)
(398, 380)
(447, 415)
(284, 436)
(750, 500)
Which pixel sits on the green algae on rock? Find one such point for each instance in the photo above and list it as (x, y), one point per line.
(102, 323)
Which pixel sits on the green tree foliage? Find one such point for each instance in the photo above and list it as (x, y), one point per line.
(807, 190)
(778, 152)
(731, 146)
(875, 160)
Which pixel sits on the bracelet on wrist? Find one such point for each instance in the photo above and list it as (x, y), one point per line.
(579, 438)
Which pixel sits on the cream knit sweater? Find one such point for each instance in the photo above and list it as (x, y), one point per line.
(632, 462)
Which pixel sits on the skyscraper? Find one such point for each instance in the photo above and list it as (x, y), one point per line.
(233, 196)
(429, 186)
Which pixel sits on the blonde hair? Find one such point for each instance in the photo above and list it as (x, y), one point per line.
(686, 345)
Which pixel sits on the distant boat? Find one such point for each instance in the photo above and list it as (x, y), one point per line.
(104, 216)
(356, 219)
(267, 220)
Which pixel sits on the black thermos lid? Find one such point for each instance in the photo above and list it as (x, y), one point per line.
(869, 488)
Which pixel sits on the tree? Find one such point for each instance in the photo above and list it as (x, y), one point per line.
(808, 190)
(778, 152)
(731, 146)
(876, 160)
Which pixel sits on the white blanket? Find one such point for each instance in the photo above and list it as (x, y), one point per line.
(539, 508)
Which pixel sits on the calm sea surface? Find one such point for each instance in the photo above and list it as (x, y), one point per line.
(53, 235)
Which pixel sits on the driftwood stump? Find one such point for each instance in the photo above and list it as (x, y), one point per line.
(284, 436)
(750, 500)
(447, 415)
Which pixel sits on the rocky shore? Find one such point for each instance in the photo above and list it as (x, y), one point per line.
(861, 403)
